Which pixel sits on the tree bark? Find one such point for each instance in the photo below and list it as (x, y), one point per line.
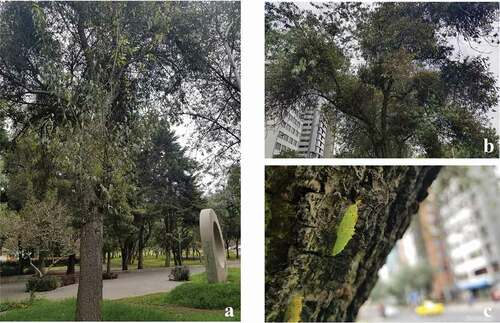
(167, 257)
(89, 298)
(108, 263)
(41, 263)
(71, 264)
(304, 206)
(177, 256)
(124, 251)
(237, 250)
(140, 248)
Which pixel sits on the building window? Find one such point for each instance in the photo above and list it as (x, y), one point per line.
(480, 272)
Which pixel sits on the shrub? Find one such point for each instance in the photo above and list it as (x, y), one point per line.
(179, 273)
(42, 284)
(9, 269)
(207, 296)
(110, 275)
(68, 279)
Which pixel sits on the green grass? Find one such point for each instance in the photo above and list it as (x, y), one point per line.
(45, 310)
(193, 301)
(232, 277)
(200, 294)
(150, 261)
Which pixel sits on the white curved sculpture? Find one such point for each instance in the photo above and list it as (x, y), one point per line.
(213, 247)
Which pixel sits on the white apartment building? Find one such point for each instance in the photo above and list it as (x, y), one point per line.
(284, 135)
(304, 133)
(472, 226)
(313, 135)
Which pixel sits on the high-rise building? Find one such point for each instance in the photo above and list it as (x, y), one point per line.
(303, 133)
(470, 221)
(434, 241)
(283, 135)
(313, 134)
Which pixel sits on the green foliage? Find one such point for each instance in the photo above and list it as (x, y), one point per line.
(42, 284)
(346, 228)
(200, 294)
(407, 279)
(287, 154)
(179, 273)
(386, 75)
(226, 202)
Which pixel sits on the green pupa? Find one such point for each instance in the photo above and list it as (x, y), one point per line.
(346, 228)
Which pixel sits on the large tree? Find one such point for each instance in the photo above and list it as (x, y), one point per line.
(387, 75)
(80, 74)
(308, 276)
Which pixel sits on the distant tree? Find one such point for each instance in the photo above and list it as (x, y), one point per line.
(42, 229)
(169, 185)
(287, 154)
(410, 279)
(226, 204)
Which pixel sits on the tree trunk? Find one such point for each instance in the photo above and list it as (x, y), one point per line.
(108, 263)
(70, 270)
(125, 257)
(304, 206)
(167, 257)
(41, 263)
(140, 248)
(89, 298)
(237, 250)
(20, 258)
(168, 240)
(177, 256)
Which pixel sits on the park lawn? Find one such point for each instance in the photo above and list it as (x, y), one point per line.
(151, 261)
(193, 301)
(46, 310)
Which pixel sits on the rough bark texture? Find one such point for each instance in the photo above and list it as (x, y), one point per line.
(140, 249)
(108, 263)
(89, 296)
(304, 206)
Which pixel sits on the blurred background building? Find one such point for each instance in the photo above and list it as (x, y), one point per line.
(452, 248)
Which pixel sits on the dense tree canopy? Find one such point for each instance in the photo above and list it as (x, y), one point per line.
(89, 96)
(386, 75)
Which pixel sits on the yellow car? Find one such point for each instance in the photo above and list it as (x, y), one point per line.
(429, 308)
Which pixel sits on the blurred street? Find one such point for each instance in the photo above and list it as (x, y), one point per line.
(478, 312)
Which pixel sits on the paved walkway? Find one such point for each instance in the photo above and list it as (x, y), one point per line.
(128, 284)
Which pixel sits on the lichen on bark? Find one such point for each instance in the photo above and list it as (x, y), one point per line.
(304, 207)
